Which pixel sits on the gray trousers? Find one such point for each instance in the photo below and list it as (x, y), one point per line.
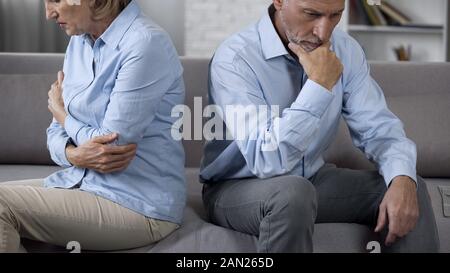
(281, 211)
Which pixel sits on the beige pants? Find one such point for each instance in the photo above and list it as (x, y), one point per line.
(60, 216)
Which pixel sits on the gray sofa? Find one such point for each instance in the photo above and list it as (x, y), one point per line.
(418, 93)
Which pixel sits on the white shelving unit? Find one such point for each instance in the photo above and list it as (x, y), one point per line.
(429, 40)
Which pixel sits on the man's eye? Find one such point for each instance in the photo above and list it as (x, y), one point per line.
(313, 15)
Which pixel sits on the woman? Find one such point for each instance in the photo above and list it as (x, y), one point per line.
(123, 184)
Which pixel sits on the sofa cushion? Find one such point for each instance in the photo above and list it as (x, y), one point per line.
(196, 81)
(24, 172)
(443, 223)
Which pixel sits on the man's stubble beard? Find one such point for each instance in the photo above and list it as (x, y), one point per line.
(295, 39)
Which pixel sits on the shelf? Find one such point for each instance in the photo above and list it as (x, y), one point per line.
(394, 29)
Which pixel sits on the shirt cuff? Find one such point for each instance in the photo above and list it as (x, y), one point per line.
(398, 168)
(314, 98)
(60, 152)
(72, 127)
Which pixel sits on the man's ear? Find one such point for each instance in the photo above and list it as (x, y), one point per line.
(278, 4)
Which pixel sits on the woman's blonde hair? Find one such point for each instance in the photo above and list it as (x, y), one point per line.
(106, 8)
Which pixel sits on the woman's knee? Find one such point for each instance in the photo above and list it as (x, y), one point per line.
(6, 215)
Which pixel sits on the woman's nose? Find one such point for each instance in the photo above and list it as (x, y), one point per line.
(50, 13)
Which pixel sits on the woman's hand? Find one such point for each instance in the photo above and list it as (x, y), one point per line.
(98, 155)
(55, 100)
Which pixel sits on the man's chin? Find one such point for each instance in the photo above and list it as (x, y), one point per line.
(308, 47)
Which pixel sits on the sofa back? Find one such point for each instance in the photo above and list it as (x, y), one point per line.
(24, 82)
(419, 94)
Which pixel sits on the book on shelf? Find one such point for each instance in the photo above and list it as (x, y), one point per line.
(357, 13)
(371, 14)
(386, 14)
(381, 19)
(395, 16)
(364, 14)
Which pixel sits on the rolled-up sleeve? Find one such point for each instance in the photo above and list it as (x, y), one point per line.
(57, 140)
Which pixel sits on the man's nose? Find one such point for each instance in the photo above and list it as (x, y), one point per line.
(324, 29)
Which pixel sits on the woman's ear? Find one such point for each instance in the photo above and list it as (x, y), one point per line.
(91, 3)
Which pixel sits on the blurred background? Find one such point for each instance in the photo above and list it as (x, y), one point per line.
(406, 30)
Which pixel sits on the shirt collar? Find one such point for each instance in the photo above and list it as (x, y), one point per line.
(115, 32)
(271, 43)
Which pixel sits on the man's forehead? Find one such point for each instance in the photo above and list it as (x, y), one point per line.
(322, 5)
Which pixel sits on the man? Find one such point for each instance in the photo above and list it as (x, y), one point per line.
(295, 59)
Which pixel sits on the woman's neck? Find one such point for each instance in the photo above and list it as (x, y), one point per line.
(99, 27)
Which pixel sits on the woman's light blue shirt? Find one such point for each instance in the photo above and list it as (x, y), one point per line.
(126, 82)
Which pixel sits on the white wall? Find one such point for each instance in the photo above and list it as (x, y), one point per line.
(209, 22)
(169, 14)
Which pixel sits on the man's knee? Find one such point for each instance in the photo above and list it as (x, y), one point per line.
(295, 197)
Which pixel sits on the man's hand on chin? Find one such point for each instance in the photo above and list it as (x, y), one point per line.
(399, 209)
(321, 65)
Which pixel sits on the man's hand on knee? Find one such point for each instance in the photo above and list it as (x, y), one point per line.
(399, 209)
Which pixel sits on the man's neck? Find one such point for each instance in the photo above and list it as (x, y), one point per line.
(277, 23)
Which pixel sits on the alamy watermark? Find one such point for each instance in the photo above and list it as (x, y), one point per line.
(243, 123)
(372, 247)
